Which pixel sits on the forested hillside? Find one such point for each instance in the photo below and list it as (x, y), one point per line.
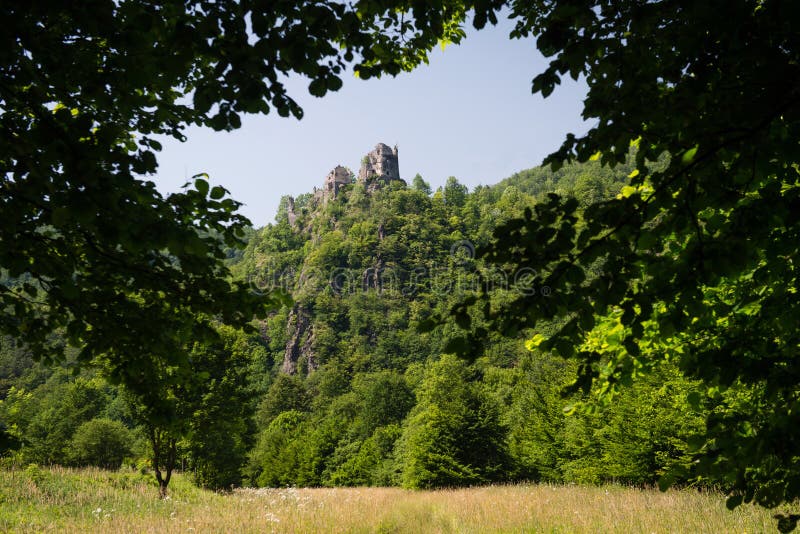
(340, 387)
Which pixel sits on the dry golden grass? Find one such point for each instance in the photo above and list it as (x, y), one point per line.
(61, 500)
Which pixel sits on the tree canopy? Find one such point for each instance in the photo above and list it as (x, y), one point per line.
(90, 248)
(338, 388)
(694, 261)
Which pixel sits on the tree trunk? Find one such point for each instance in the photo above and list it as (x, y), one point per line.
(164, 453)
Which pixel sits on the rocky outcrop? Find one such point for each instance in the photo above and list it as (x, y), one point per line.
(378, 168)
(299, 354)
(290, 213)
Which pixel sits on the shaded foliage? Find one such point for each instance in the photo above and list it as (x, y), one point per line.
(101, 442)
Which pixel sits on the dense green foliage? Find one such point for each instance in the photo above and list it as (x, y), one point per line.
(366, 399)
(694, 263)
(687, 274)
(453, 436)
(101, 442)
(53, 417)
(85, 91)
(374, 402)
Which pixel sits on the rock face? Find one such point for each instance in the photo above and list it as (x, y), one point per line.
(337, 178)
(290, 213)
(380, 165)
(299, 354)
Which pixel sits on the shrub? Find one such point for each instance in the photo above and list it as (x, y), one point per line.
(101, 442)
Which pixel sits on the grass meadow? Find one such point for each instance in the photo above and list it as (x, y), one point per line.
(37, 499)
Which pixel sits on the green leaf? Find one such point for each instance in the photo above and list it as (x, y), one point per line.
(201, 185)
(689, 155)
(317, 87)
(217, 192)
(533, 343)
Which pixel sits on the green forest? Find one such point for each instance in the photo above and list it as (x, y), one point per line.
(625, 312)
(338, 387)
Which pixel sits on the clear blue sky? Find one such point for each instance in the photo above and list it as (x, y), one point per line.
(469, 114)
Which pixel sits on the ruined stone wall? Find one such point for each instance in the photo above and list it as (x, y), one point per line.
(338, 177)
(382, 163)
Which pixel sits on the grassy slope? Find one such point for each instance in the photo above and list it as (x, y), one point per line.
(61, 500)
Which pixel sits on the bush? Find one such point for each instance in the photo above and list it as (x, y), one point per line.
(102, 443)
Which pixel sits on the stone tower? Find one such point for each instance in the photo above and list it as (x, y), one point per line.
(380, 164)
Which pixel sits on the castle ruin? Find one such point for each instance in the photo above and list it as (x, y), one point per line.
(378, 167)
(380, 164)
(338, 177)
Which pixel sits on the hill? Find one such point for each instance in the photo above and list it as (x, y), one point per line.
(340, 387)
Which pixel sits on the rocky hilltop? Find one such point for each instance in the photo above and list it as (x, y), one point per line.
(379, 167)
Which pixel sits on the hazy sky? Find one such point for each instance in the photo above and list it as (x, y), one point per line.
(469, 114)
